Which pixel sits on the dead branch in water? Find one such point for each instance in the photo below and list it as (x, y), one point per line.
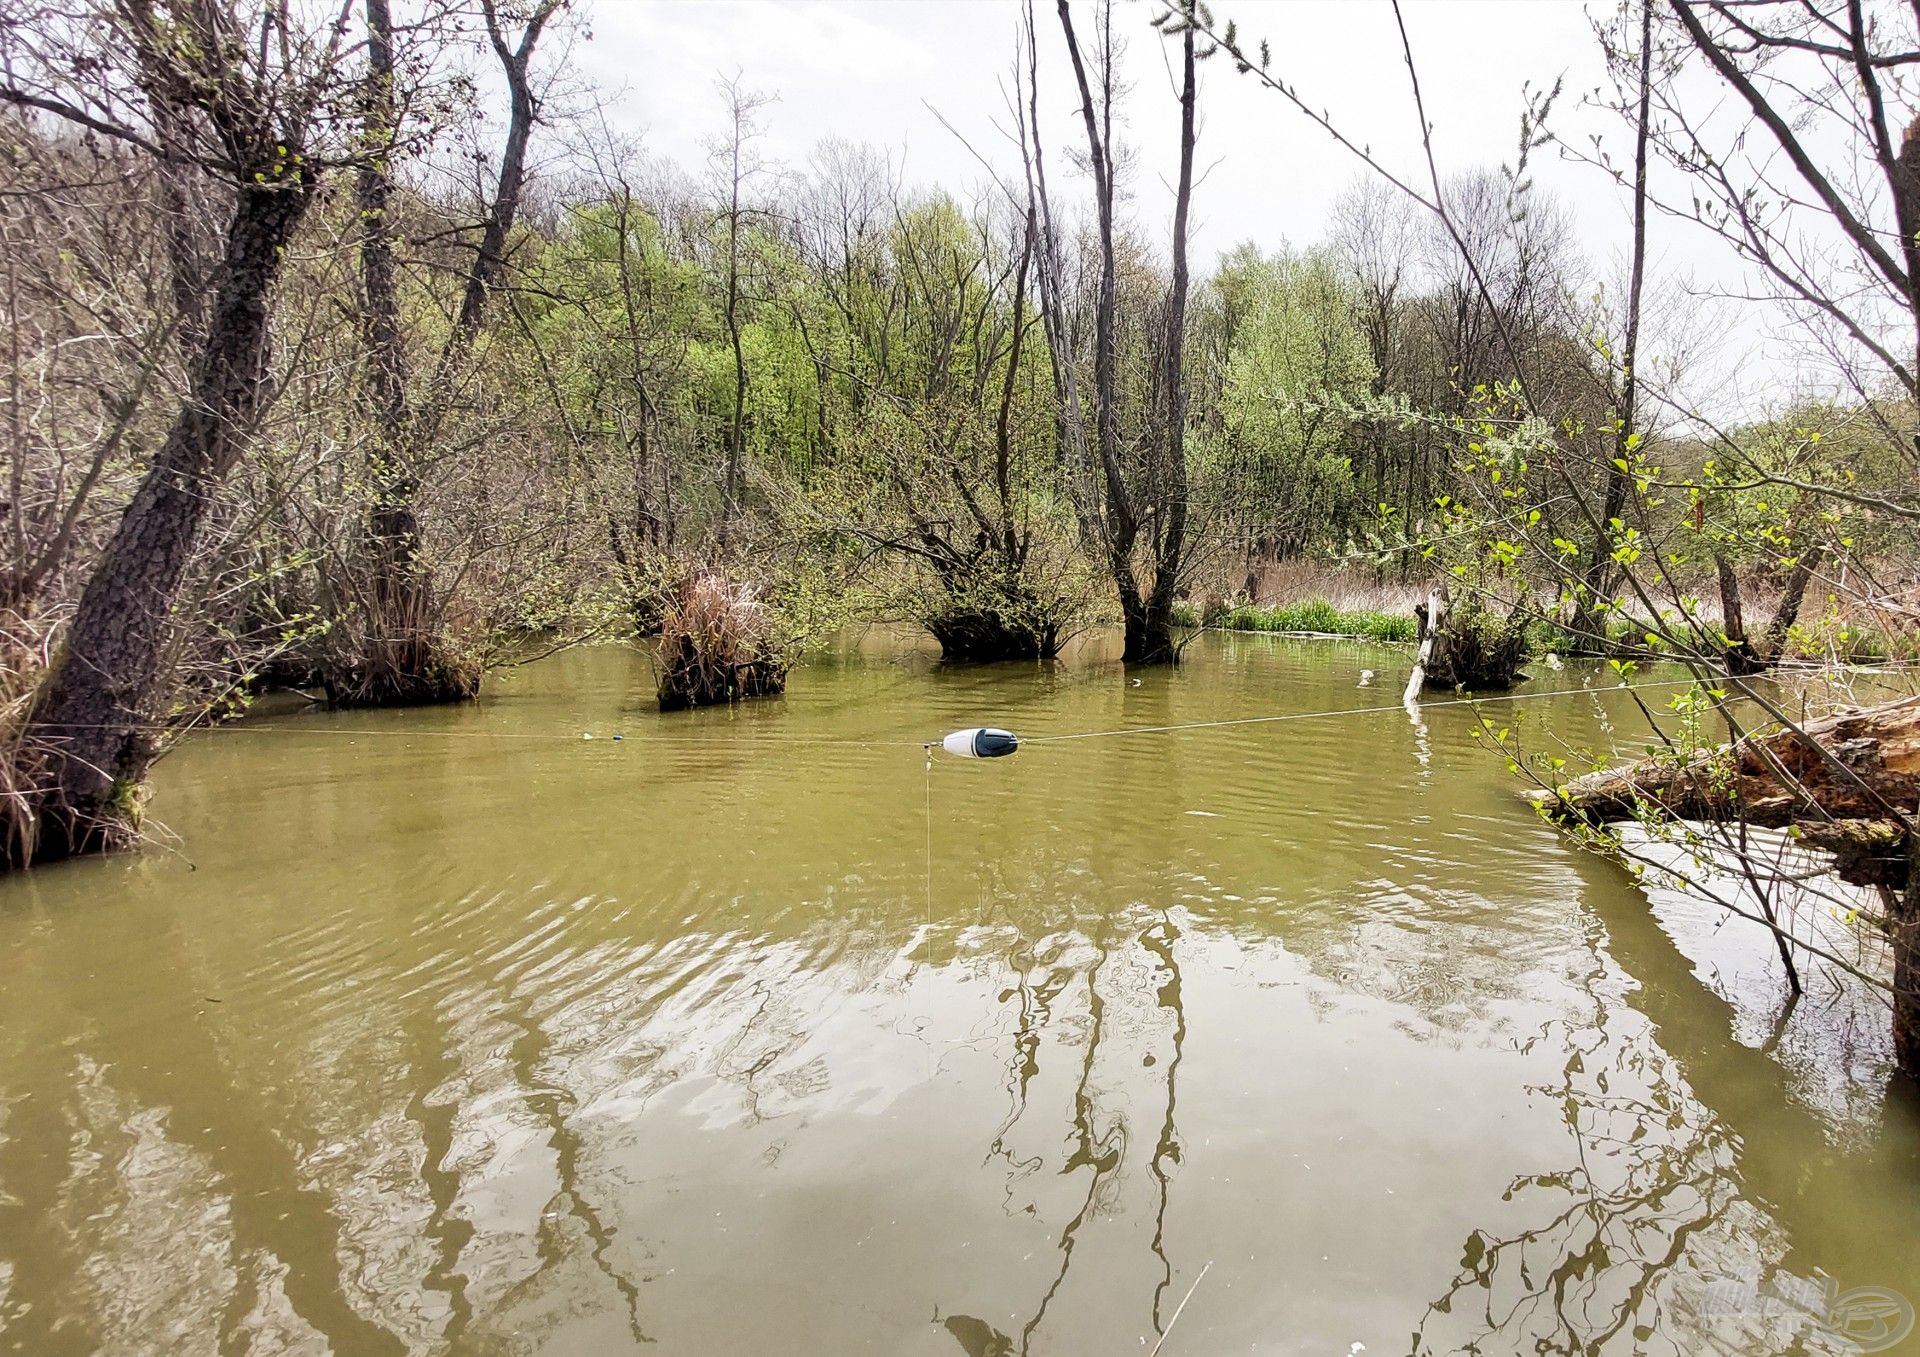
(1847, 782)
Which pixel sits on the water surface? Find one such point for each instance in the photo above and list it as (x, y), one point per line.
(453, 1031)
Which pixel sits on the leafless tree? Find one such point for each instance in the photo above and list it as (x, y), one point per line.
(1140, 505)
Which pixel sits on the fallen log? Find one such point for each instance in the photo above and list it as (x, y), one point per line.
(1848, 783)
(1849, 779)
(1857, 764)
(1865, 852)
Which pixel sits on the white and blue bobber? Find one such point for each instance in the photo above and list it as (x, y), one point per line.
(981, 742)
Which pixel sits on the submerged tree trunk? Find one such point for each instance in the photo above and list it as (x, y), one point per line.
(96, 724)
(405, 656)
(983, 635)
(1149, 633)
(401, 658)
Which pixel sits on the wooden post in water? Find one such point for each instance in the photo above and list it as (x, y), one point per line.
(1433, 623)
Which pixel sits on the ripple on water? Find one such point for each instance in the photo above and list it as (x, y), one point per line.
(466, 1033)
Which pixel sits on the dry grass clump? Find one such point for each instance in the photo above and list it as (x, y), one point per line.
(23, 663)
(29, 759)
(717, 645)
(1348, 588)
(400, 653)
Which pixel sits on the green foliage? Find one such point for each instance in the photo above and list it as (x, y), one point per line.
(1315, 616)
(938, 492)
(1279, 454)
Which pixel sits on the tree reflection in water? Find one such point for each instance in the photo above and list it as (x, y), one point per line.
(1159, 939)
(1630, 1234)
(1112, 981)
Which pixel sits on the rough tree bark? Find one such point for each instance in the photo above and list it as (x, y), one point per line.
(96, 722)
(1858, 764)
(1120, 528)
(403, 665)
(1791, 600)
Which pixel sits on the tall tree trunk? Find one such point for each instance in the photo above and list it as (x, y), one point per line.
(96, 722)
(740, 108)
(397, 599)
(1169, 525)
(1589, 618)
(1120, 527)
(407, 659)
(1147, 616)
(490, 258)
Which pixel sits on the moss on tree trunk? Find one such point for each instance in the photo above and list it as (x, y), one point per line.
(94, 731)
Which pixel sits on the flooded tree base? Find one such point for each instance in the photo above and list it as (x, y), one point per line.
(427, 678)
(686, 682)
(972, 636)
(51, 811)
(1467, 649)
(1150, 642)
(56, 834)
(635, 976)
(716, 646)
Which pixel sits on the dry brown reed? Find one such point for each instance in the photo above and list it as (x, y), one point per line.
(717, 645)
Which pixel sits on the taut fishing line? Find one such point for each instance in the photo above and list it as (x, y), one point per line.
(299, 726)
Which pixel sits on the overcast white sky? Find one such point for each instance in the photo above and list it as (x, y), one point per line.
(877, 70)
(869, 70)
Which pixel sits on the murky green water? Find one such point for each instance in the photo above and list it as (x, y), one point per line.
(453, 1032)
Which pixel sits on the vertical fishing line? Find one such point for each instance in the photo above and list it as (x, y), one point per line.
(926, 937)
(929, 838)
